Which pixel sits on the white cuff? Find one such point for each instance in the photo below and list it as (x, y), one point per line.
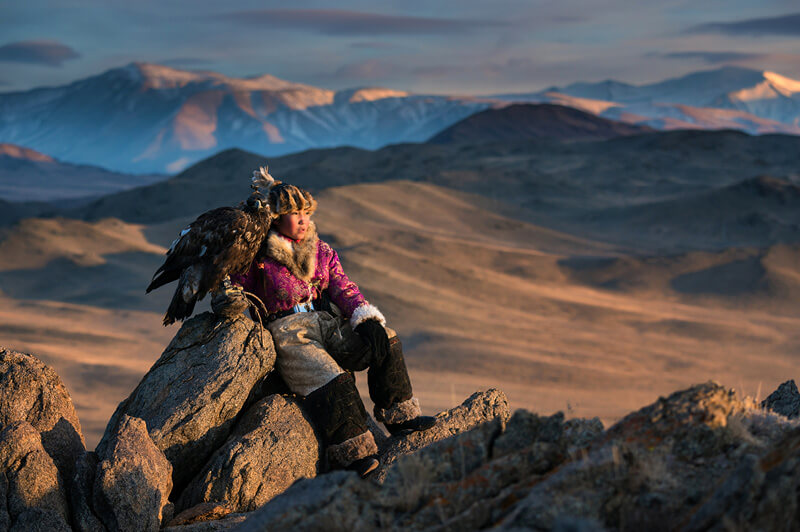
(366, 312)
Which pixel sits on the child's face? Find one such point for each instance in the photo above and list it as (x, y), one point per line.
(293, 225)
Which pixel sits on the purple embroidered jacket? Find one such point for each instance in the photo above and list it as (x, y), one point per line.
(293, 273)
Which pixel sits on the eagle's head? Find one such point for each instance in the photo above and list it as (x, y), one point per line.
(257, 204)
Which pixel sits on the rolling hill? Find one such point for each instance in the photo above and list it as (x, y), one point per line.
(526, 121)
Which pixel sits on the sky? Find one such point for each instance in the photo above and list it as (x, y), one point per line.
(432, 46)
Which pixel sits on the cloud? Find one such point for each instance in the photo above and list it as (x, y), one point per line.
(342, 22)
(48, 53)
(710, 57)
(782, 25)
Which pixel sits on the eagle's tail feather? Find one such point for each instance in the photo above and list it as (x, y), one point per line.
(162, 279)
(179, 309)
(186, 295)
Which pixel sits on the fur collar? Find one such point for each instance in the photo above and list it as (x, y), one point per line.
(300, 258)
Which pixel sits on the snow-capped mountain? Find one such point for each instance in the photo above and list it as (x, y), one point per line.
(145, 117)
(729, 97)
(151, 118)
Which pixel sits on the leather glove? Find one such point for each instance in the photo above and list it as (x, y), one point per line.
(229, 303)
(373, 333)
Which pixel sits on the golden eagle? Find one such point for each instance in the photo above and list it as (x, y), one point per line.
(219, 243)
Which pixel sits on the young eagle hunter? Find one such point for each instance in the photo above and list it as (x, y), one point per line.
(324, 329)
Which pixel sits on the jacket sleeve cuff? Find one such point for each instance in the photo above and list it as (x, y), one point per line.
(366, 312)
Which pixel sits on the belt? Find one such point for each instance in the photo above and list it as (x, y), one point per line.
(308, 306)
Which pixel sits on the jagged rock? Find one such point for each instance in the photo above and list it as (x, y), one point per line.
(81, 495)
(193, 393)
(689, 419)
(272, 446)
(32, 479)
(475, 410)
(31, 391)
(133, 480)
(40, 520)
(647, 471)
(784, 401)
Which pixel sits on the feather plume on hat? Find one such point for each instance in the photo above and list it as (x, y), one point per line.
(262, 181)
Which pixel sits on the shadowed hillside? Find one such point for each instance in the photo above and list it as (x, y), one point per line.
(527, 121)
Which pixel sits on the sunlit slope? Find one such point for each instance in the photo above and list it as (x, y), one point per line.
(479, 298)
(483, 299)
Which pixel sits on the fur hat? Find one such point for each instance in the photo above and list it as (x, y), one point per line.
(282, 198)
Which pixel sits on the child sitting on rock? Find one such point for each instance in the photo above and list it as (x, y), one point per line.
(297, 276)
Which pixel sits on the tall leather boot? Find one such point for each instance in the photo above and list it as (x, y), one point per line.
(389, 384)
(339, 415)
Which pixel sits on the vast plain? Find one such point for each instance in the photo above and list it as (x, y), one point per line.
(587, 277)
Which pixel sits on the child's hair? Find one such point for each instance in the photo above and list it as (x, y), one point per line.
(283, 198)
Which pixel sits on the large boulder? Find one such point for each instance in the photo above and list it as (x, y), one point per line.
(133, 480)
(191, 396)
(30, 479)
(31, 391)
(271, 447)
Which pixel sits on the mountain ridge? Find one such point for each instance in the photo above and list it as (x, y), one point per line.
(145, 117)
(768, 102)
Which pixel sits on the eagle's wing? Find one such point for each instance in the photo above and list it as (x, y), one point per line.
(220, 242)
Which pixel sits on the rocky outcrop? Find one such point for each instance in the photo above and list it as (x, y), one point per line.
(695, 460)
(133, 480)
(192, 395)
(479, 408)
(785, 400)
(32, 392)
(271, 447)
(459, 442)
(700, 459)
(31, 484)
